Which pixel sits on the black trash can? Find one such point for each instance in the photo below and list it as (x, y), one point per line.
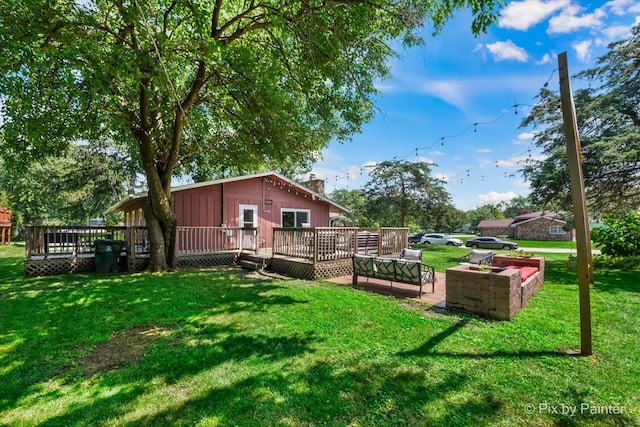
(107, 258)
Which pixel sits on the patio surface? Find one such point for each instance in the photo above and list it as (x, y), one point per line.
(401, 290)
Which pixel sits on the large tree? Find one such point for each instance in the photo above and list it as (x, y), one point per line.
(71, 188)
(483, 212)
(608, 116)
(192, 85)
(355, 202)
(402, 191)
(445, 218)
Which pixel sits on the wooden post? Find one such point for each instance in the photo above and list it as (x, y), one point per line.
(583, 238)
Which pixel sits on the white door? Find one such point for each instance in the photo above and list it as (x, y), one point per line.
(248, 217)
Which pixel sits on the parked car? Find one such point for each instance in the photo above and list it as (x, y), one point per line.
(440, 239)
(416, 238)
(491, 243)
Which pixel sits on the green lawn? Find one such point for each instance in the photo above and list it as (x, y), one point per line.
(544, 244)
(222, 348)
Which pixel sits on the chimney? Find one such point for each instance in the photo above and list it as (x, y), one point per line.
(314, 184)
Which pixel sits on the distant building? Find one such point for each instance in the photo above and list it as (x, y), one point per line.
(5, 226)
(540, 225)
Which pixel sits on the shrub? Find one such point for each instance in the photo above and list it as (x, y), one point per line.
(619, 236)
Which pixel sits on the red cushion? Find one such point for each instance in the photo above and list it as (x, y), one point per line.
(525, 272)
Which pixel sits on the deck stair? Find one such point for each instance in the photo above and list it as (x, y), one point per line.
(254, 262)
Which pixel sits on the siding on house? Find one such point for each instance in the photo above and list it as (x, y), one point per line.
(495, 227)
(202, 207)
(539, 229)
(217, 203)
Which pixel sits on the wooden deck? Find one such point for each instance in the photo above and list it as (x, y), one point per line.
(305, 253)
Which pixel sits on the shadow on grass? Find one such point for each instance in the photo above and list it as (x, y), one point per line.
(428, 348)
(48, 324)
(615, 281)
(369, 394)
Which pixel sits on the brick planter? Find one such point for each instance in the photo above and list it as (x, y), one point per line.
(499, 294)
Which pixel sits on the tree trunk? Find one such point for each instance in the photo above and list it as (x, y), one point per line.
(158, 212)
(161, 229)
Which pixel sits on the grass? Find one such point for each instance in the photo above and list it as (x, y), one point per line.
(222, 348)
(545, 244)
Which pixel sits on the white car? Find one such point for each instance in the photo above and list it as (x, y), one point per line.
(440, 239)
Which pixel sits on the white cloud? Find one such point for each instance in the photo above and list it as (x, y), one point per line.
(525, 138)
(619, 7)
(546, 58)
(521, 15)
(436, 153)
(386, 87)
(518, 161)
(583, 50)
(617, 32)
(442, 177)
(425, 160)
(569, 21)
(450, 91)
(495, 197)
(503, 51)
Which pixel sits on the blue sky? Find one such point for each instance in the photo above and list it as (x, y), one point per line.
(438, 91)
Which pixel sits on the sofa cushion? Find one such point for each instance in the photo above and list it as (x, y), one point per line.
(411, 254)
(525, 271)
(384, 268)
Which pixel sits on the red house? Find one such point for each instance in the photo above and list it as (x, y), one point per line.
(264, 201)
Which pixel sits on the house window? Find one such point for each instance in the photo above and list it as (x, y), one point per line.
(556, 229)
(296, 217)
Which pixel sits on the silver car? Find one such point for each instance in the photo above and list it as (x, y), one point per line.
(491, 243)
(440, 239)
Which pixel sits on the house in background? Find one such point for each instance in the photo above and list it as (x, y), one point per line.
(264, 201)
(540, 225)
(495, 227)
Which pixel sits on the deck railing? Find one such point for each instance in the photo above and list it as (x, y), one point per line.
(69, 242)
(194, 240)
(72, 241)
(315, 244)
(332, 243)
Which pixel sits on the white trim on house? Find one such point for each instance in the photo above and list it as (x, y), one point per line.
(558, 229)
(241, 209)
(515, 224)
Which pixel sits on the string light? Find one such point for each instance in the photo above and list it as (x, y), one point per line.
(416, 151)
